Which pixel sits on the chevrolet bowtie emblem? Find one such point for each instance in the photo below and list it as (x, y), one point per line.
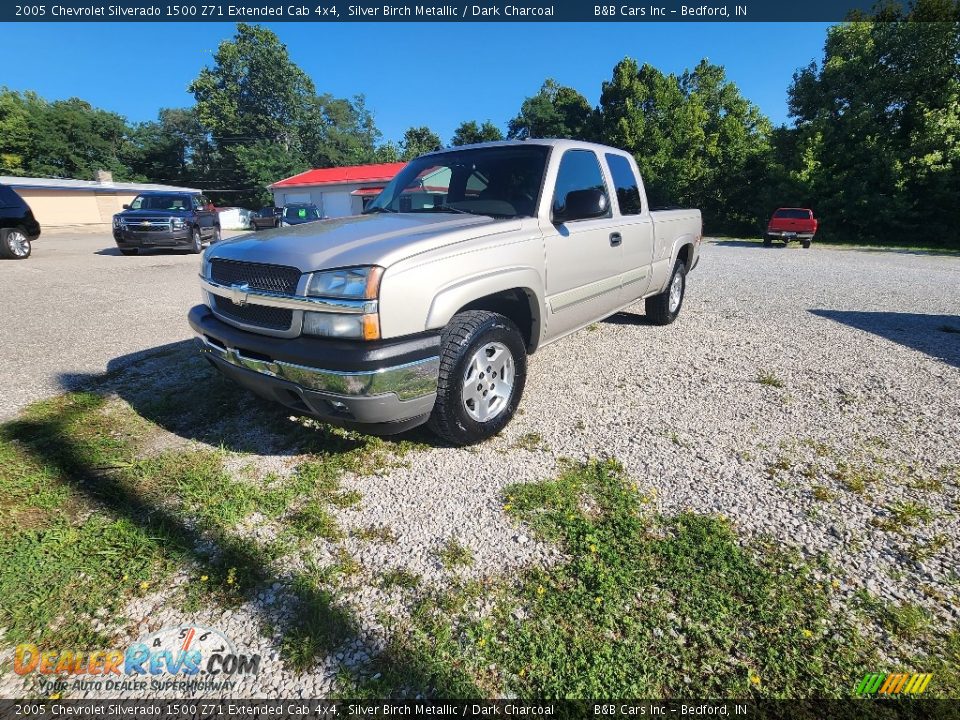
(239, 294)
(146, 223)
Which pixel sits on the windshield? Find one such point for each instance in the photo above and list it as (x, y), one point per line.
(301, 213)
(161, 202)
(500, 181)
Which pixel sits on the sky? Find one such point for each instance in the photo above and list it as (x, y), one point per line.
(437, 74)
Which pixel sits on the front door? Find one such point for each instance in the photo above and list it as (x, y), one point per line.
(584, 257)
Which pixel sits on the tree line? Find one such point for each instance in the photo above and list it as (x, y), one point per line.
(873, 147)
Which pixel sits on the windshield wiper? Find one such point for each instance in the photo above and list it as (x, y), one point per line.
(374, 210)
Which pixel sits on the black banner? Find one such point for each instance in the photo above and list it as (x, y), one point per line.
(191, 709)
(331, 11)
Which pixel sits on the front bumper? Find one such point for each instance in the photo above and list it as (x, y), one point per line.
(152, 238)
(381, 387)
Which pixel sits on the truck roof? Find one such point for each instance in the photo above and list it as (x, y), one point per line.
(561, 143)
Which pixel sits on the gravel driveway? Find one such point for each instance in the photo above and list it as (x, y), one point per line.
(809, 396)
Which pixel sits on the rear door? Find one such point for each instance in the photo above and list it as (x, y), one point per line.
(636, 228)
(583, 257)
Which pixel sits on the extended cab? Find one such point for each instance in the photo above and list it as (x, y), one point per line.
(425, 308)
(166, 220)
(791, 224)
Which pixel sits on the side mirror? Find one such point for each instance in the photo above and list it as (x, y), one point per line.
(582, 205)
(126, 206)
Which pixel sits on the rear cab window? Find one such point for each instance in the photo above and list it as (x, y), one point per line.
(579, 170)
(793, 214)
(626, 184)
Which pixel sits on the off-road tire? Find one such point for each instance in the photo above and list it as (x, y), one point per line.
(658, 307)
(7, 252)
(463, 336)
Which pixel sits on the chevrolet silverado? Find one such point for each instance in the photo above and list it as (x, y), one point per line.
(426, 307)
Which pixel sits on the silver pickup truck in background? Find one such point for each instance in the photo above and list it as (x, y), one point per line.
(425, 308)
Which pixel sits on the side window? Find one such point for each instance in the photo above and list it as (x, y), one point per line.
(197, 202)
(6, 196)
(579, 170)
(628, 188)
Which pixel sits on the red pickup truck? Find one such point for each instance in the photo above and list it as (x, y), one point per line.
(791, 224)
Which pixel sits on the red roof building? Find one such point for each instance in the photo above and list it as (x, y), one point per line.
(337, 192)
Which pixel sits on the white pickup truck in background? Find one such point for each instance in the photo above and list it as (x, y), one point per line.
(425, 308)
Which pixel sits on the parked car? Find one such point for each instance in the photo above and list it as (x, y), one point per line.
(166, 220)
(299, 213)
(268, 217)
(426, 308)
(791, 224)
(18, 227)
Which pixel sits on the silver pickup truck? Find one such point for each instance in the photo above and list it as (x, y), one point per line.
(425, 308)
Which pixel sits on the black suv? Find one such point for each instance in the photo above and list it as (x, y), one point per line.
(18, 227)
(166, 220)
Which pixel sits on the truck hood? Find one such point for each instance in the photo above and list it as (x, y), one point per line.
(381, 239)
(135, 214)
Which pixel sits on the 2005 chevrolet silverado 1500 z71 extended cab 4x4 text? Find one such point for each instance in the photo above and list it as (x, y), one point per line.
(425, 308)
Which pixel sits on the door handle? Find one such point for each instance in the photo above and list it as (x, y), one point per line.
(615, 239)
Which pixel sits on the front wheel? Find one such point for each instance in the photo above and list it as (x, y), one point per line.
(483, 369)
(196, 241)
(663, 309)
(216, 235)
(15, 244)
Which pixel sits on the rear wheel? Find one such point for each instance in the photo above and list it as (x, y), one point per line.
(663, 309)
(806, 244)
(767, 241)
(15, 244)
(483, 368)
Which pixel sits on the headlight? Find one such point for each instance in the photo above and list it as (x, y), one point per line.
(178, 223)
(342, 325)
(356, 283)
(117, 222)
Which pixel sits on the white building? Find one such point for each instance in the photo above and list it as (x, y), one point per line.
(337, 192)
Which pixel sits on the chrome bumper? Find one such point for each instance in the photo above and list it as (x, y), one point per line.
(409, 381)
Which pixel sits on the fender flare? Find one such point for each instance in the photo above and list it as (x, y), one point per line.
(453, 296)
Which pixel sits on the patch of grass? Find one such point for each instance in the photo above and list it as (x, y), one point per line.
(319, 625)
(645, 602)
(903, 515)
(531, 442)
(770, 379)
(454, 554)
(823, 494)
(923, 551)
(783, 463)
(593, 327)
(314, 520)
(856, 477)
(400, 578)
(375, 533)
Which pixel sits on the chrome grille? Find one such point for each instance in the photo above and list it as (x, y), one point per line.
(270, 278)
(148, 224)
(258, 315)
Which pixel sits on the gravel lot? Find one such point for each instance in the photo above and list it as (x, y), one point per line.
(787, 371)
(77, 303)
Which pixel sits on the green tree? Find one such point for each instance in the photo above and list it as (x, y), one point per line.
(468, 133)
(696, 140)
(338, 132)
(878, 126)
(173, 149)
(556, 111)
(417, 141)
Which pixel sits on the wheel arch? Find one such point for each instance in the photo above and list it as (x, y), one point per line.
(516, 294)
